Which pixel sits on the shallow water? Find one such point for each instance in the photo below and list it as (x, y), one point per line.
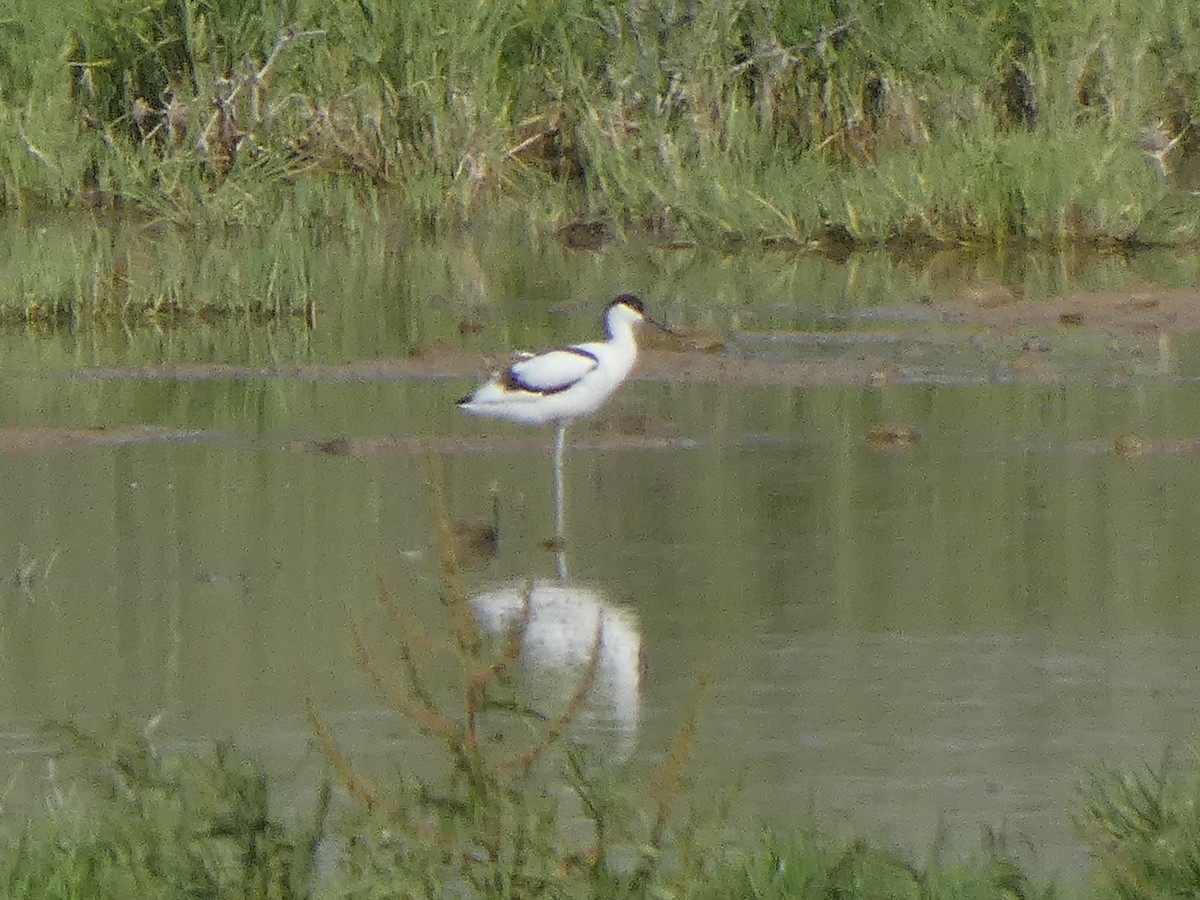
(944, 630)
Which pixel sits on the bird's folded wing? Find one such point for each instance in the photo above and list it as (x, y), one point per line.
(549, 373)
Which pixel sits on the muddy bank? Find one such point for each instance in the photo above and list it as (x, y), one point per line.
(986, 335)
(1140, 309)
(20, 439)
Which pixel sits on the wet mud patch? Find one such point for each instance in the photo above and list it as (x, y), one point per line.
(1135, 447)
(27, 439)
(985, 335)
(765, 359)
(530, 441)
(1139, 309)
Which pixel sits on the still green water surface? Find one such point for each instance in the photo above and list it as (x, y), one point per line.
(949, 635)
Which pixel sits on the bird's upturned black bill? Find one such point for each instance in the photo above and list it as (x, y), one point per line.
(659, 325)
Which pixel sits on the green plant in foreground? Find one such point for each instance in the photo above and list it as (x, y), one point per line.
(130, 821)
(493, 826)
(806, 864)
(1143, 829)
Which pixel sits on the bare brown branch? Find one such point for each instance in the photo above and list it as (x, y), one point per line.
(492, 671)
(356, 786)
(425, 716)
(461, 620)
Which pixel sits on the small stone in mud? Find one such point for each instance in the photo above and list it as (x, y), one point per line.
(1129, 446)
(337, 446)
(893, 436)
(1035, 345)
(1140, 304)
(475, 542)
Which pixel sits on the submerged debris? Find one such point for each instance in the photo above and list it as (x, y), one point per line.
(899, 436)
(1129, 446)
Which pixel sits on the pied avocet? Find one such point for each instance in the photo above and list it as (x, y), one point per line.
(561, 385)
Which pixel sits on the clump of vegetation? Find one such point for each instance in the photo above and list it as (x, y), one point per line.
(1046, 121)
(71, 275)
(128, 820)
(810, 865)
(1143, 830)
(494, 823)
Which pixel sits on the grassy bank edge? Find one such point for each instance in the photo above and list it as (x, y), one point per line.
(1032, 123)
(126, 816)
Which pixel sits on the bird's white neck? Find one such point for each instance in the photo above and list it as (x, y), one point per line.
(619, 327)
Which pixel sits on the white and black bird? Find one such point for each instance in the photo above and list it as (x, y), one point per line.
(561, 385)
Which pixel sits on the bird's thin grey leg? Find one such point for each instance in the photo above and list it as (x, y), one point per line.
(560, 439)
(560, 564)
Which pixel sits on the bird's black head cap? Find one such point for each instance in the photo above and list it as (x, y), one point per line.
(629, 300)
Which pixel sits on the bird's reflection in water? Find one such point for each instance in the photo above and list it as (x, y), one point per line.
(567, 623)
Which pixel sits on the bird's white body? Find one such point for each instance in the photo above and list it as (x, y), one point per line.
(561, 385)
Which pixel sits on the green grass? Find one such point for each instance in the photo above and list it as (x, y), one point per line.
(123, 273)
(117, 290)
(127, 818)
(1143, 829)
(807, 864)
(985, 123)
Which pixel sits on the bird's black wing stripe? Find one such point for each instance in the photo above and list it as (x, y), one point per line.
(511, 380)
(586, 354)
